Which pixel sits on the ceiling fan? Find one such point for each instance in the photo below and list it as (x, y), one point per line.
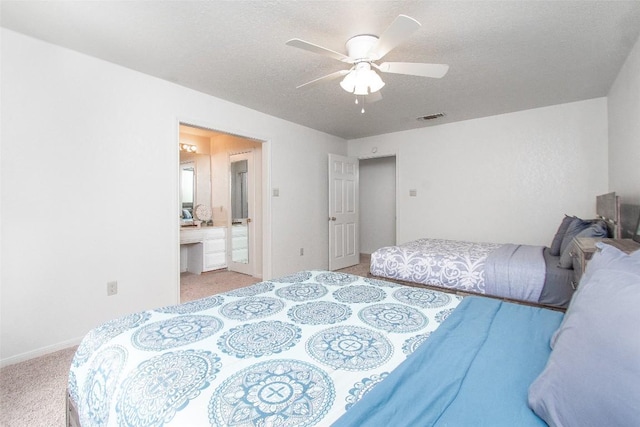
(364, 51)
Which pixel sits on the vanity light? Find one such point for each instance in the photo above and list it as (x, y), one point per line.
(188, 148)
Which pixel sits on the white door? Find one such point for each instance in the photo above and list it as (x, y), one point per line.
(344, 250)
(242, 230)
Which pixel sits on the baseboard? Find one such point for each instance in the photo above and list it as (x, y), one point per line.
(39, 352)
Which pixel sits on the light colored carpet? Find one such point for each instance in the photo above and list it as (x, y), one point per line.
(193, 286)
(32, 393)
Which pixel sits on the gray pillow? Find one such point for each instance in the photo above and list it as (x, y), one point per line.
(592, 377)
(576, 226)
(556, 243)
(595, 229)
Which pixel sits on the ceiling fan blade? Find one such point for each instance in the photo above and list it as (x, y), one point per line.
(414, 69)
(324, 78)
(304, 45)
(399, 30)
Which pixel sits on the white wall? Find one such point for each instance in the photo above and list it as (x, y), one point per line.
(90, 189)
(507, 178)
(624, 130)
(377, 203)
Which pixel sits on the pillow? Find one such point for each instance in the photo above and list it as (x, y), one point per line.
(576, 226)
(592, 376)
(610, 257)
(595, 229)
(554, 249)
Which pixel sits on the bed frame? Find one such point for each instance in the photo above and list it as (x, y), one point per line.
(628, 220)
(72, 418)
(466, 293)
(608, 210)
(621, 218)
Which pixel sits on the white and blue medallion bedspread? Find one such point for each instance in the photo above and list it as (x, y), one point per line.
(447, 263)
(298, 351)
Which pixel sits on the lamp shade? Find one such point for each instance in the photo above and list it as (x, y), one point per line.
(375, 82)
(362, 80)
(349, 82)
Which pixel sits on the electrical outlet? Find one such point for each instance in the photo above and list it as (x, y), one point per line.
(112, 288)
(301, 251)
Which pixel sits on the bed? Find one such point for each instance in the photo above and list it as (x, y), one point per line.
(535, 274)
(322, 348)
(238, 357)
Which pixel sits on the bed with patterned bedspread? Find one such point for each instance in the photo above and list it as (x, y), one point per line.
(448, 263)
(516, 272)
(535, 274)
(296, 351)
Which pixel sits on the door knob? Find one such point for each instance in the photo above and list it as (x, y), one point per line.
(333, 218)
(248, 220)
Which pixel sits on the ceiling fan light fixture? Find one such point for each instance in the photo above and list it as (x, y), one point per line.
(362, 81)
(361, 88)
(375, 82)
(349, 82)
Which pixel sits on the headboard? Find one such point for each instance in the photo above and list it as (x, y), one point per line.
(608, 209)
(628, 220)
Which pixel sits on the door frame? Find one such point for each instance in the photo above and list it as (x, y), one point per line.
(375, 154)
(396, 185)
(265, 212)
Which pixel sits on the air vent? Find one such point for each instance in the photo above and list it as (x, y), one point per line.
(431, 117)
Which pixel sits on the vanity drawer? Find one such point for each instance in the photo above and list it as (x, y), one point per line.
(214, 232)
(214, 261)
(214, 245)
(205, 249)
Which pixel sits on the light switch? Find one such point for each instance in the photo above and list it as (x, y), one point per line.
(413, 193)
(276, 192)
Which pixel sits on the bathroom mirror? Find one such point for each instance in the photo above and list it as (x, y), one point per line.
(195, 183)
(239, 200)
(239, 211)
(187, 191)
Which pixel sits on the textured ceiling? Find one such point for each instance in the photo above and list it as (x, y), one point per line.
(504, 55)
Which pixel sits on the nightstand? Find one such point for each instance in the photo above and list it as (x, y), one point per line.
(585, 247)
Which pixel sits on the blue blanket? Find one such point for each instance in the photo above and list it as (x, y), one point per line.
(475, 369)
(516, 272)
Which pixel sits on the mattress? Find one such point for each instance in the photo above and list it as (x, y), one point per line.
(300, 350)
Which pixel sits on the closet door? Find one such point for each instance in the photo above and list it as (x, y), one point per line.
(344, 240)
